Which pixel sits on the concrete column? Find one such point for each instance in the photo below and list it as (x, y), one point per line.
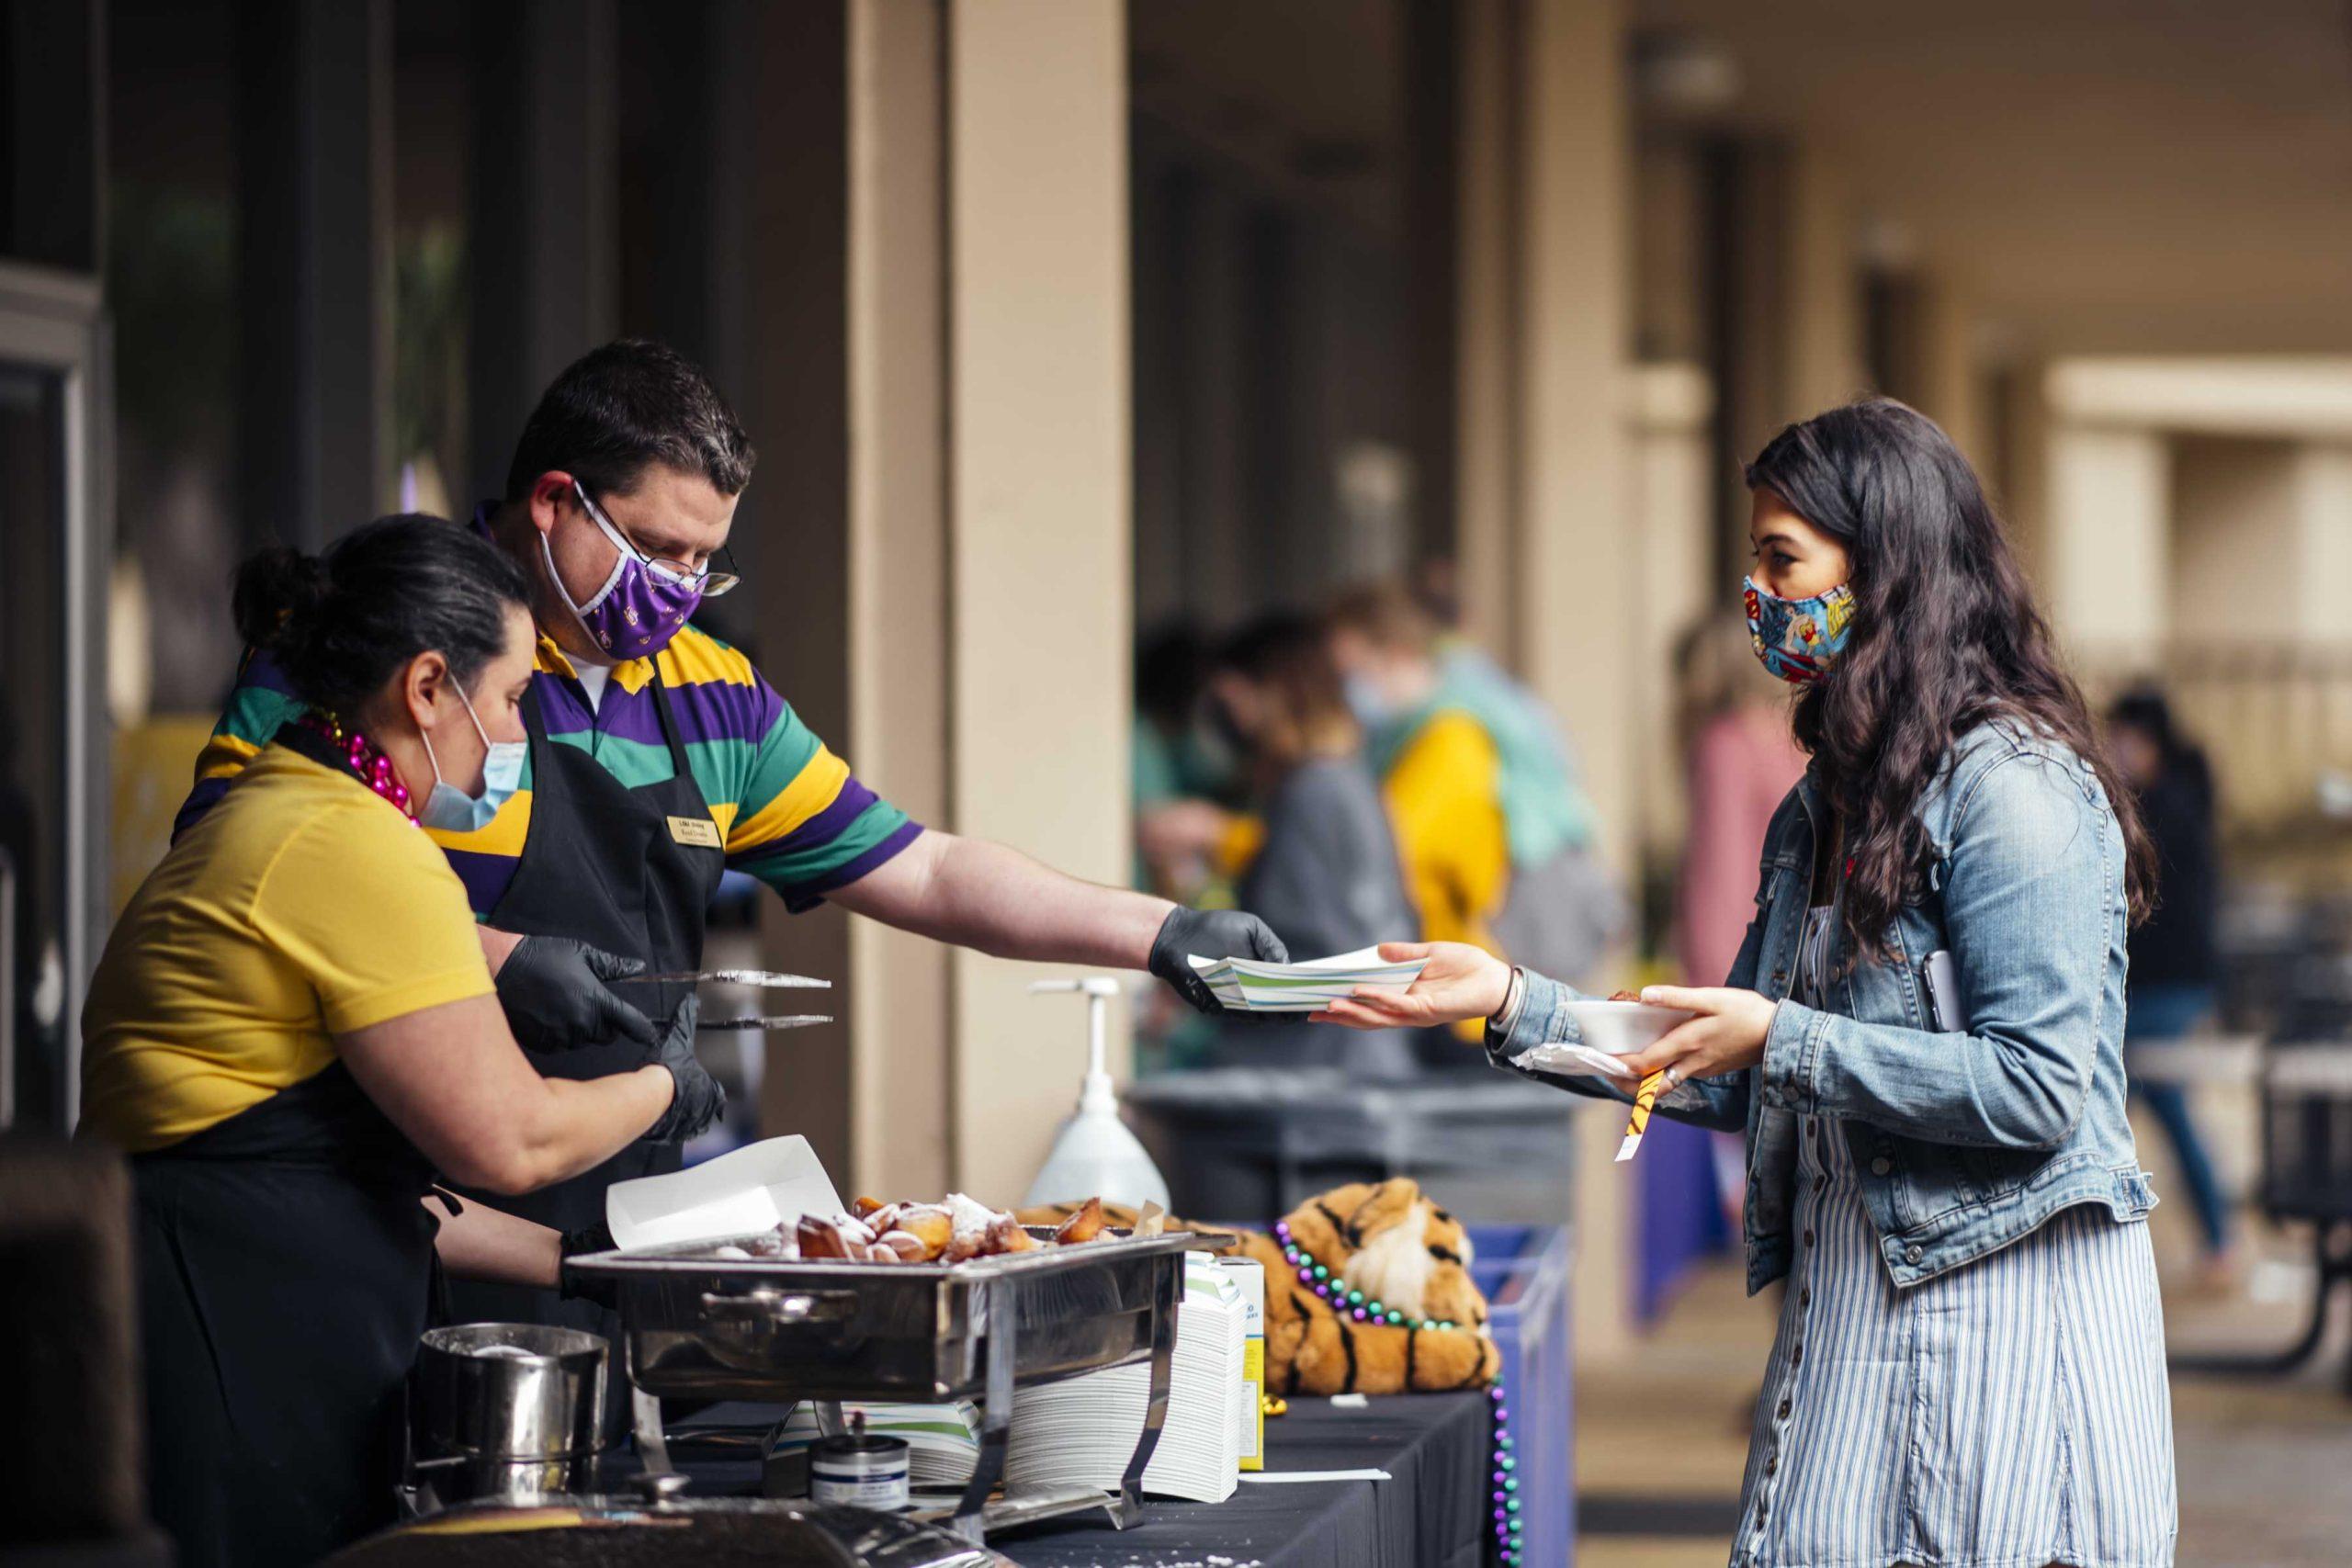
(899, 1024)
(2106, 536)
(1787, 317)
(1671, 414)
(2323, 481)
(1486, 443)
(1952, 391)
(1037, 487)
(1576, 565)
(1822, 297)
(1922, 333)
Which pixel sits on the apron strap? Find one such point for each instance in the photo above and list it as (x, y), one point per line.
(669, 722)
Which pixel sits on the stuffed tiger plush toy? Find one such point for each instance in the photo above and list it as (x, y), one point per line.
(1388, 1243)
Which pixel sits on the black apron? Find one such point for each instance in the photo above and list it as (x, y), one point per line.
(286, 1265)
(603, 864)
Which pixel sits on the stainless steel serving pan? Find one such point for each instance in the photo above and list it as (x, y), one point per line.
(695, 1325)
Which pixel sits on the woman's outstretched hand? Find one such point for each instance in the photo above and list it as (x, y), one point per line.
(1459, 981)
(1727, 1035)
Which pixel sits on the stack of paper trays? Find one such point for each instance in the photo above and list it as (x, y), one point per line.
(1245, 985)
(943, 1440)
(1081, 1431)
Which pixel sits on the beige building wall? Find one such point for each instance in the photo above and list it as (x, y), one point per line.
(2106, 544)
(2235, 555)
(898, 984)
(1822, 292)
(1039, 630)
(1670, 416)
(2262, 540)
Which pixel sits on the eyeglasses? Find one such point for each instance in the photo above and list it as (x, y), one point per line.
(711, 583)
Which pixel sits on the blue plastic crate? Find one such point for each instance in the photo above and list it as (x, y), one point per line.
(1523, 1271)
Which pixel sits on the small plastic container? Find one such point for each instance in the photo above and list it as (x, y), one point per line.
(859, 1470)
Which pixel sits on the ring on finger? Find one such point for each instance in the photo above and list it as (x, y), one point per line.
(1673, 1077)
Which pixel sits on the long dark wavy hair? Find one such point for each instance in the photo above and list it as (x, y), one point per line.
(1946, 636)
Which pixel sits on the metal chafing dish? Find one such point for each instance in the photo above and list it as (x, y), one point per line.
(697, 1326)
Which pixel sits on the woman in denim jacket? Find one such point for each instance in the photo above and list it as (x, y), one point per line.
(1921, 1040)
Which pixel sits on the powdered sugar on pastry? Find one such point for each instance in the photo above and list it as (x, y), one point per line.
(969, 1219)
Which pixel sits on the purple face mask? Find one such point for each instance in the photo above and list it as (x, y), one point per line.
(640, 606)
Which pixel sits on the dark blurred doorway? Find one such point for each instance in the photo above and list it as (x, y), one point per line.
(48, 452)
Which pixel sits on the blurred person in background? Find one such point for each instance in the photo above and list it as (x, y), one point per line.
(1969, 1367)
(1325, 874)
(1176, 778)
(2176, 971)
(1495, 830)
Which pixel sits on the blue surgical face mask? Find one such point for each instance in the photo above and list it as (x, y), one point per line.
(451, 809)
(1367, 701)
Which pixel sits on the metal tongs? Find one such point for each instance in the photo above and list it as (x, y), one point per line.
(766, 979)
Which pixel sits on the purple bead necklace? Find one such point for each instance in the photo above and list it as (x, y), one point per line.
(1352, 1305)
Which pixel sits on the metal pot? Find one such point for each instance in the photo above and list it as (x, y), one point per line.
(508, 1411)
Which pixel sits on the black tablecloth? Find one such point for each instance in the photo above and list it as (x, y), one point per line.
(1429, 1513)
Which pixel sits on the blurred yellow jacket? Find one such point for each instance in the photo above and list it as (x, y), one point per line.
(1444, 797)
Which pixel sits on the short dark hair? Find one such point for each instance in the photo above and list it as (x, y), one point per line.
(341, 623)
(618, 408)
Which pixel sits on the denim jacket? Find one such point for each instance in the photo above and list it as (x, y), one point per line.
(1964, 1140)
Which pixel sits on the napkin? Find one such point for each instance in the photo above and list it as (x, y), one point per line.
(1246, 985)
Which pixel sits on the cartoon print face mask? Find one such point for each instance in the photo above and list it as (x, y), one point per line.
(1799, 639)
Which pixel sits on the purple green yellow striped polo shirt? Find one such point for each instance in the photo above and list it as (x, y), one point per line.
(789, 810)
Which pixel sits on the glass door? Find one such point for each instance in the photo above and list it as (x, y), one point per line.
(53, 526)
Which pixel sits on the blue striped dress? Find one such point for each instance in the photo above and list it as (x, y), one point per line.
(2011, 1414)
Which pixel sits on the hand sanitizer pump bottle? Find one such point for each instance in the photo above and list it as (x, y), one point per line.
(1094, 1155)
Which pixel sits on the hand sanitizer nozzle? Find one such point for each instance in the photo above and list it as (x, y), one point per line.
(1095, 1154)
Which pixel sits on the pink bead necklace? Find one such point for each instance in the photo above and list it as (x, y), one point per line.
(362, 756)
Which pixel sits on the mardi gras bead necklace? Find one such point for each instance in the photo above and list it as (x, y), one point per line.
(362, 756)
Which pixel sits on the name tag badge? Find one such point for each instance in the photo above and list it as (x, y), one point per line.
(700, 832)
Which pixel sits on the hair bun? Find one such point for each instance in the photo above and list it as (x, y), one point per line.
(278, 590)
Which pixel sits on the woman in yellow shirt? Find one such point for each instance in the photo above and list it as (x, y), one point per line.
(293, 1028)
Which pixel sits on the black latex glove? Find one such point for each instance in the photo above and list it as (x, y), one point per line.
(553, 991)
(1211, 934)
(699, 1101)
(597, 1237)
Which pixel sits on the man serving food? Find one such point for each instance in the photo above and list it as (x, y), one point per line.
(659, 757)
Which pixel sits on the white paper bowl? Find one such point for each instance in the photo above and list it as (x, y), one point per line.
(1622, 1028)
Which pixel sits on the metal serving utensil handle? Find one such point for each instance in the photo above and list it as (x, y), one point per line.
(771, 1308)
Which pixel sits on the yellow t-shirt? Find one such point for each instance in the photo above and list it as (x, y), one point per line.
(301, 907)
(1445, 799)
